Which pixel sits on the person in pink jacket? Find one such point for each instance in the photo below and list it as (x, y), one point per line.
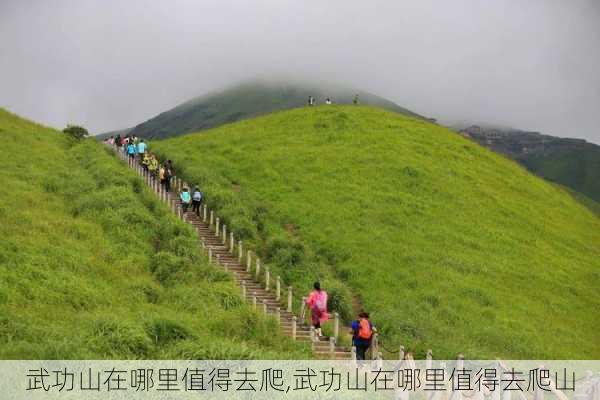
(317, 302)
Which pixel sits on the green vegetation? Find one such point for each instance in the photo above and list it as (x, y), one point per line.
(448, 245)
(92, 266)
(75, 132)
(244, 101)
(577, 168)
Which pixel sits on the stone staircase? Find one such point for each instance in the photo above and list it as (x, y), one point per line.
(214, 243)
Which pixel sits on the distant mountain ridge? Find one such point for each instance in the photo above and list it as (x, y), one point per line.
(247, 100)
(574, 163)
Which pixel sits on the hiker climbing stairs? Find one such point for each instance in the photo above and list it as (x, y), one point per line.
(221, 249)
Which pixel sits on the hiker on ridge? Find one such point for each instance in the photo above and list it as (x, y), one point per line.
(328, 101)
(168, 175)
(185, 199)
(131, 151)
(141, 148)
(153, 165)
(355, 99)
(196, 200)
(317, 302)
(362, 333)
(145, 161)
(161, 176)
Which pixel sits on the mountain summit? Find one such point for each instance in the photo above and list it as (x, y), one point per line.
(248, 100)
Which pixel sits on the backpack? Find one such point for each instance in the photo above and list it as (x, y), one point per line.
(364, 329)
(197, 196)
(321, 302)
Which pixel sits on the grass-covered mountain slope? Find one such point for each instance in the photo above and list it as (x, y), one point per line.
(448, 245)
(574, 163)
(248, 100)
(92, 266)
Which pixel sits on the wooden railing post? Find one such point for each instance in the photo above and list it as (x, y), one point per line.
(231, 242)
(267, 278)
(336, 325)
(401, 353)
(210, 255)
(303, 310)
(294, 322)
(212, 218)
(257, 272)
(254, 300)
(374, 346)
(217, 226)
(204, 213)
(278, 314)
(429, 359)
(289, 299)
(240, 251)
(248, 261)
(313, 334)
(353, 353)
(332, 346)
(243, 284)
(224, 234)
(278, 288)
(265, 310)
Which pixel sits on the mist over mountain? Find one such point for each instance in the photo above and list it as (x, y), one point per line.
(250, 99)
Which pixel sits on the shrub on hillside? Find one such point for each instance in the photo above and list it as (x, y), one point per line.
(75, 132)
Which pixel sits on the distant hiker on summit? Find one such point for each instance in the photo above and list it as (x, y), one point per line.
(328, 101)
(317, 302)
(355, 99)
(362, 332)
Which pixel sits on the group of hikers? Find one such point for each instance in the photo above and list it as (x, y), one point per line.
(313, 102)
(137, 152)
(362, 328)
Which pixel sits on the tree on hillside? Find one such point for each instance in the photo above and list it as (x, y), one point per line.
(76, 131)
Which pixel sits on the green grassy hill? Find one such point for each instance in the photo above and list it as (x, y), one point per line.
(92, 266)
(448, 245)
(249, 100)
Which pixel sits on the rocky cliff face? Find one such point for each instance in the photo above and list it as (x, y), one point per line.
(518, 144)
(574, 163)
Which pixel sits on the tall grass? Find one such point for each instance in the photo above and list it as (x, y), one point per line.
(93, 266)
(448, 245)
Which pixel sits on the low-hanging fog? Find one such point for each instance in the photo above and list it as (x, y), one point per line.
(111, 64)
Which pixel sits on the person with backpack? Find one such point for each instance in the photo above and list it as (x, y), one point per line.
(317, 302)
(131, 151)
(196, 200)
(186, 199)
(362, 333)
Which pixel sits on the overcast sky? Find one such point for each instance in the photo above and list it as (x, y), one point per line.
(108, 64)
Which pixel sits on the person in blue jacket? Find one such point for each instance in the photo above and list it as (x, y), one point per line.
(186, 199)
(131, 152)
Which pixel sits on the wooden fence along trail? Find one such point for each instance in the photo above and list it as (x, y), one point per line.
(263, 291)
